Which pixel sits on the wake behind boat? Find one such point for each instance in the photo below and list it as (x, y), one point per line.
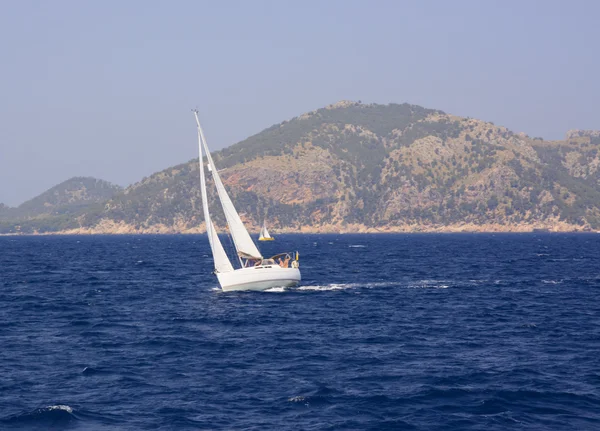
(254, 271)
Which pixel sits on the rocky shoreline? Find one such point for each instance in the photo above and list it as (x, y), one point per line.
(109, 227)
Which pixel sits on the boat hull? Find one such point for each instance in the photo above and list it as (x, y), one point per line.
(259, 278)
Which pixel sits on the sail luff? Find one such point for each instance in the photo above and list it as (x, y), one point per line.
(241, 238)
(221, 261)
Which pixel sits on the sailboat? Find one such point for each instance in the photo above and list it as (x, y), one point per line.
(264, 233)
(252, 271)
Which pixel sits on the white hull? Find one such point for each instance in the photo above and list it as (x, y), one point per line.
(259, 278)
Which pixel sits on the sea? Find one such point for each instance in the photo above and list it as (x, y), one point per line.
(385, 332)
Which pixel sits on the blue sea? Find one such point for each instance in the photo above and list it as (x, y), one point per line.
(399, 332)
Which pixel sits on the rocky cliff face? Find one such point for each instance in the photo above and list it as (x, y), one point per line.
(356, 167)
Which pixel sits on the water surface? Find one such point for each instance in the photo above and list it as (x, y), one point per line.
(416, 332)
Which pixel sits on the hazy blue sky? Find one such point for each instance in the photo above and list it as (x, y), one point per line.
(104, 88)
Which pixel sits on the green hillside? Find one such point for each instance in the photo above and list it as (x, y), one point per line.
(370, 167)
(59, 207)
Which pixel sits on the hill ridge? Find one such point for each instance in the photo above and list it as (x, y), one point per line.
(63, 202)
(369, 167)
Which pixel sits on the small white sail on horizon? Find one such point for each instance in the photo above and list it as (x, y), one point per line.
(264, 233)
(256, 272)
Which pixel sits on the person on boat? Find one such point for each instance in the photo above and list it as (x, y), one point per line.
(286, 262)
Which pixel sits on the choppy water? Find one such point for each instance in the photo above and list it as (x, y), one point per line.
(416, 332)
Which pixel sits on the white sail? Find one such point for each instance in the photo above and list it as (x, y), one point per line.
(264, 233)
(222, 263)
(241, 238)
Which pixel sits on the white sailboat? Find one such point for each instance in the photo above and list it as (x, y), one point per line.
(264, 233)
(254, 271)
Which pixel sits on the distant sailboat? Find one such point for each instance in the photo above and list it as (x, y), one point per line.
(264, 233)
(254, 272)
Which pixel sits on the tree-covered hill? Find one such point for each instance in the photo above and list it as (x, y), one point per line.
(58, 207)
(369, 167)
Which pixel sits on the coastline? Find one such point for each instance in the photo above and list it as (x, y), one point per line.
(109, 227)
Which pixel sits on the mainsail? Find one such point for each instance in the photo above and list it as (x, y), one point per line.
(241, 238)
(222, 263)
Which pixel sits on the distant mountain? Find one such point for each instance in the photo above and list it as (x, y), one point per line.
(59, 205)
(366, 167)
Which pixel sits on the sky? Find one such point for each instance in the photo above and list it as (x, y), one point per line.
(105, 88)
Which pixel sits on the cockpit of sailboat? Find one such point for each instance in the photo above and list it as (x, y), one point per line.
(283, 260)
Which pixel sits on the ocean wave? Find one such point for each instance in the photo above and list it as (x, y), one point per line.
(326, 287)
(91, 371)
(54, 416)
(430, 284)
(344, 286)
(321, 395)
(275, 290)
(66, 408)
